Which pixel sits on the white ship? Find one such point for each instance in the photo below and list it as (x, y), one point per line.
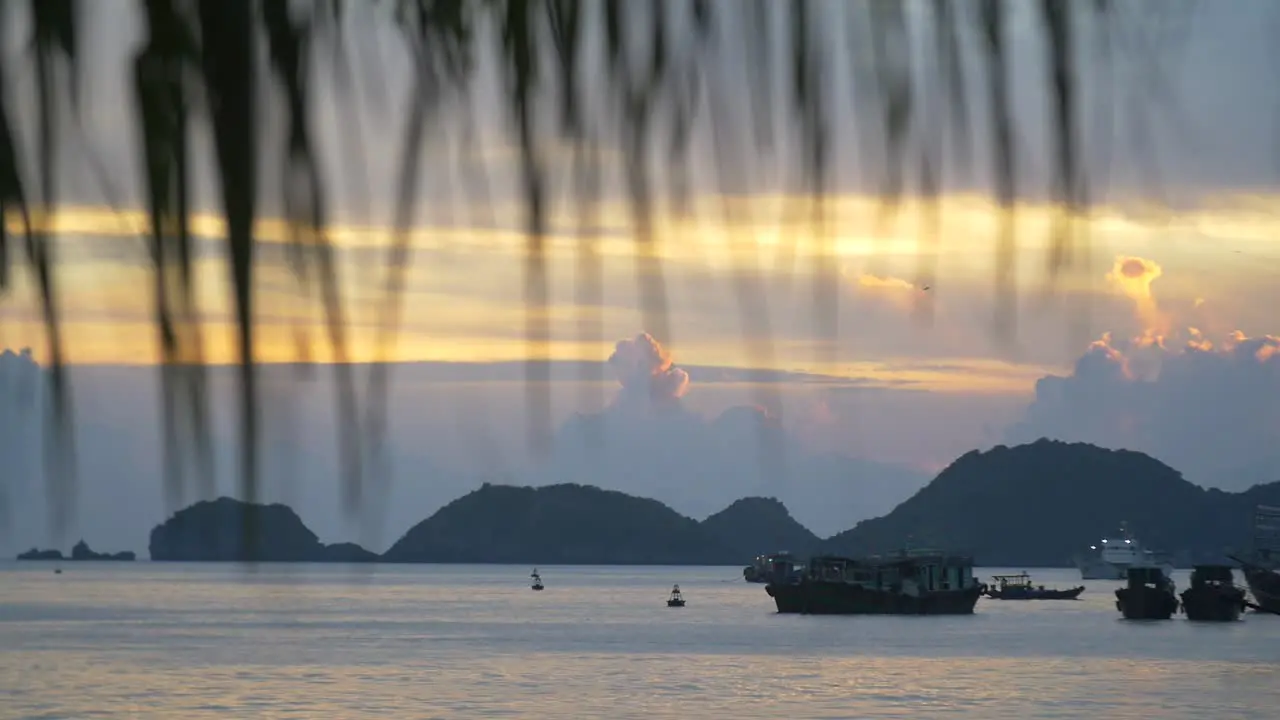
(1112, 557)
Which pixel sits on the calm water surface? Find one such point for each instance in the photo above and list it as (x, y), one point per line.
(146, 640)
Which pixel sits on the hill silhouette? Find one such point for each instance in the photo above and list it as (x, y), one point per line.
(558, 524)
(754, 526)
(1033, 505)
(216, 530)
(1041, 503)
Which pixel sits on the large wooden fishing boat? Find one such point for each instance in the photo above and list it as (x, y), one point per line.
(1213, 595)
(916, 582)
(1148, 595)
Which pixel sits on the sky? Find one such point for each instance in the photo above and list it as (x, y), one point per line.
(1159, 337)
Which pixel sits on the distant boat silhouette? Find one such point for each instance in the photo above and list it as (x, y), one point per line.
(537, 580)
(676, 599)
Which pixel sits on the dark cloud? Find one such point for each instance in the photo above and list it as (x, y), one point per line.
(1208, 410)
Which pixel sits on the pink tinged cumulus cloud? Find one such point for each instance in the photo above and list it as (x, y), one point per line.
(1209, 410)
(1206, 407)
(645, 370)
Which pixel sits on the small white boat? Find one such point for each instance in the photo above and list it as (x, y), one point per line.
(537, 580)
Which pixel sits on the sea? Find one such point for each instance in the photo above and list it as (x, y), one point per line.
(162, 640)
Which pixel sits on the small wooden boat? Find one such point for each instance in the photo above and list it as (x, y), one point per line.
(537, 580)
(1149, 595)
(1019, 587)
(1213, 595)
(676, 599)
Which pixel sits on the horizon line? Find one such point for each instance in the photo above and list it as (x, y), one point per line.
(104, 220)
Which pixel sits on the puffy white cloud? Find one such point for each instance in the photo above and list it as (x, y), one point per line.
(646, 372)
(648, 443)
(1208, 409)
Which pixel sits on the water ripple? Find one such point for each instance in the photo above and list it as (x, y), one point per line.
(169, 641)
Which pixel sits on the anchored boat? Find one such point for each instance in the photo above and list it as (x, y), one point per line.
(1262, 568)
(1264, 586)
(1149, 595)
(1112, 557)
(1213, 595)
(1019, 587)
(918, 582)
(537, 580)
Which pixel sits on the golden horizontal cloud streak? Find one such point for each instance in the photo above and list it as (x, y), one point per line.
(133, 343)
(857, 224)
(108, 308)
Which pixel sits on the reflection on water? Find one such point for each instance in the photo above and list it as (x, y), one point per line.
(190, 641)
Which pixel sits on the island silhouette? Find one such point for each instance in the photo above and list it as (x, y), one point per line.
(1034, 505)
(81, 551)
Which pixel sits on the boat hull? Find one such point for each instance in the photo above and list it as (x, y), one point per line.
(1209, 604)
(816, 597)
(1264, 586)
(1095, 569)
(1098, 569)
(1145, 603)
(1034, 594)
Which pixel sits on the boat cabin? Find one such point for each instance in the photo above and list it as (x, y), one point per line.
(1202, 575)
(775, 567)
(923, 570)
(1152, 577)
(1019, 580)
(1006, 582)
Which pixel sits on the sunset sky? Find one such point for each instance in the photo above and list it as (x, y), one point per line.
(1159, 329)
(1208, 269)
